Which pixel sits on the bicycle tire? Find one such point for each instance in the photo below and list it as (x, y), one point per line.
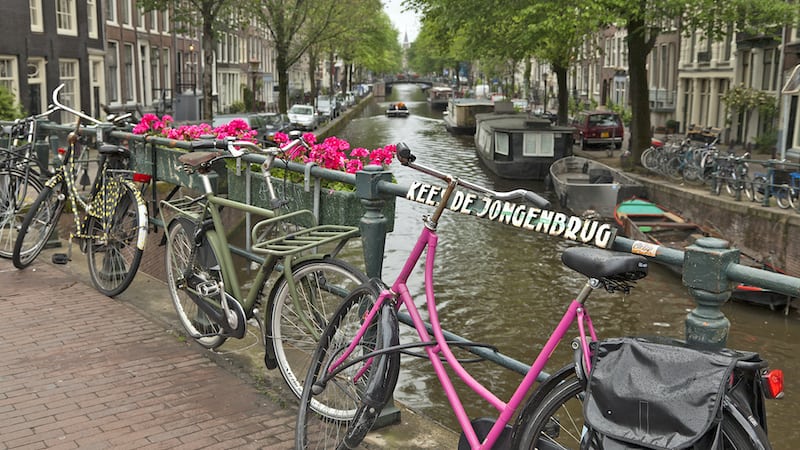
(321, 286)
(18, 191)
(116, 237)
(782, 194)
(649, 158)
(39, 223)
(673, 168)
(351, 404)
(558, 420)
(180, 244)
(759, 184)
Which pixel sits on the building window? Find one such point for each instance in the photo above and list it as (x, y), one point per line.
(153, 20)
(68, 75)
(111, 11)
(112, 80)
(36, 15)
(126, 12)
(66, 22)
(142, 20)
(91, 18)
(165, 21)
(127, 72)
(167, 73)
(8, 73)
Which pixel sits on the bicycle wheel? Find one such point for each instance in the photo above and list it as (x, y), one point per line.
(649, 158)
(18, 191)
(39, 223)
(115, 237)
(782, 196)
(673, 168)
(296, 323)
(759, 185)
(181, 264)
(350, 402)
(557, 423)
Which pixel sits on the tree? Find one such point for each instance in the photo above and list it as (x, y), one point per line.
(9, 108)
(645, 20)
(211, 17)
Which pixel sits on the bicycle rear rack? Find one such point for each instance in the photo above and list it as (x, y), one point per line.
(302, 239)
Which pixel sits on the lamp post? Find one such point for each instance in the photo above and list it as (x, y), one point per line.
(191, 69)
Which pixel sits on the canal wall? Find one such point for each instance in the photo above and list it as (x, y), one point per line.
(763, 232)
(759, 231)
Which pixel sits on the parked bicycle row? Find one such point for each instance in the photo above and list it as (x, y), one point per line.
(739, 176)
(334, 334)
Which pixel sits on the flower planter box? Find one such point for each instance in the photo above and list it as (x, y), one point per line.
(169, 169)
(336, 207)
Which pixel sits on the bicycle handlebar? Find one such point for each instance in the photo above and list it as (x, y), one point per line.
(406, 158)
(59, 105)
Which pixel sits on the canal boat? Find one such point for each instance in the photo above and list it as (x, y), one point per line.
(459, 118)
(439, 96)
(589, 187)
(398, 109)
(517, 146)
(643, 220)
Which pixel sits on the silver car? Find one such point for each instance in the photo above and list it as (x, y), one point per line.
(303, 117)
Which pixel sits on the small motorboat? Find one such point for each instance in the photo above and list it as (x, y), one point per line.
(398, 109)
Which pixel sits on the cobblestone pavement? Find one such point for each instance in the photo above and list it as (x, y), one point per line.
(81, 370)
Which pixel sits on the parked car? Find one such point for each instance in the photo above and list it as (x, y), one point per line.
(275, 123)
(327, 108)
(254, 120)
(303, 117)
(598, 128)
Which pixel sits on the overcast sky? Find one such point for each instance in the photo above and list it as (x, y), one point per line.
(404, 21)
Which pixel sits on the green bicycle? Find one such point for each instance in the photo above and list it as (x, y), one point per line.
(206, 289)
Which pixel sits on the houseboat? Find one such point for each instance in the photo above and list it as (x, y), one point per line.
(517, 146)
(460, 115)
(438, 96)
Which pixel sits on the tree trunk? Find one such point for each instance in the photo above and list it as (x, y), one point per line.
(563, 93)
(283, 81)
(638, 49)
(208, 69)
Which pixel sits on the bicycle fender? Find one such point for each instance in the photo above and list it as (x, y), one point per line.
(144, 220)
(747, 423)
(544, 388)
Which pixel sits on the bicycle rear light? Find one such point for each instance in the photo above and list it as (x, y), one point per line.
(773, 383)
(141, 177)
(61, 152)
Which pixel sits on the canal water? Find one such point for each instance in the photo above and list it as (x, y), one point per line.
(495, 284)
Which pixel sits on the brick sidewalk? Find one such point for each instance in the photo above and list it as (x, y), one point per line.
(80, 370)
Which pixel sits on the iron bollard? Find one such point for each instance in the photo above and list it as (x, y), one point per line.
(373, 222)
(704, 274)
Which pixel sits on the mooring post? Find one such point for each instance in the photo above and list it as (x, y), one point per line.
(704, 274)
(373, 223)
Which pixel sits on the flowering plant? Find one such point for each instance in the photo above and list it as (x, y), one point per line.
(152, 125)
(335, 153)
(332, 153)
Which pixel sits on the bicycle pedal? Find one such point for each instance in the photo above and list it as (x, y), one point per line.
(60, 258)
(208, 288)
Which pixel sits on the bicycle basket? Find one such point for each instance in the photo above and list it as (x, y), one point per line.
(655, 393)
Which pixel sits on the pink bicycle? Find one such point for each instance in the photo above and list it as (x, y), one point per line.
(355, 367)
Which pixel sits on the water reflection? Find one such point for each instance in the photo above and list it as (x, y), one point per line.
(500, 285)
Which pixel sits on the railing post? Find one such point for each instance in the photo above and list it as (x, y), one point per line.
(704, 274)
(373, 223)
(373, 237)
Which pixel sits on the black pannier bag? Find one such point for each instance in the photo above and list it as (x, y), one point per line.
(656, 393)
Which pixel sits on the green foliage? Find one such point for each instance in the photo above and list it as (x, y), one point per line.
(624, 113)
(742, 98)
(9, 108)
(767, 141)
(238, 107)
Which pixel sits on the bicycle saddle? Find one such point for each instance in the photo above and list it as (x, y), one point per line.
(114, 150)
(195, 159)
(597, 263)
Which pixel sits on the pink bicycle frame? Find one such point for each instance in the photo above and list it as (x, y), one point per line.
(429, 239)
